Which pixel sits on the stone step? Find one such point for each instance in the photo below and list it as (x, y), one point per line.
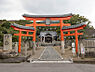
(51, 61)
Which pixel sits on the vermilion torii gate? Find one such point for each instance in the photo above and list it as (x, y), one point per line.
(48, 22)
(21, 29)
(74, 28)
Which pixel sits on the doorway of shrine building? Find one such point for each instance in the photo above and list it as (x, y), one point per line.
(48, 36)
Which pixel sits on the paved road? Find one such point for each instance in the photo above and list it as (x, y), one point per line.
(29, 67)
(49, 53)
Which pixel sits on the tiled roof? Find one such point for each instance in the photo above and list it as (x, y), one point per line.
(22, 27)
(72, 26)
(47, 16)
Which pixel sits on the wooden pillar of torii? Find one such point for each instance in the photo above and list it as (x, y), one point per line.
(34, 34)
(62, 36)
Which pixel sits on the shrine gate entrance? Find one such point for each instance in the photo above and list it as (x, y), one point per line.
(49, 20)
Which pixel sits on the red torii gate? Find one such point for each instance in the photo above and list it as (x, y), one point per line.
(47, 19)
(74, 28)
(21, 28)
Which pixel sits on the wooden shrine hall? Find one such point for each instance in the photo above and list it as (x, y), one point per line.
(49, 20)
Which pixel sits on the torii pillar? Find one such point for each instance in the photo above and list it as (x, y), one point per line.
(76, 39)
(34, 36)
(62, 36)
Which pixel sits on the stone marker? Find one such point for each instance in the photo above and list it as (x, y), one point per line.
(24, 48)
(82, 50)
(34, 47)
(62, 46)
(30, 44)
(27, 43)
(15, 47)
(73, 48)
(7, 42)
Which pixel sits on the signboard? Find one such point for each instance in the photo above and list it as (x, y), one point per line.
(47, 21)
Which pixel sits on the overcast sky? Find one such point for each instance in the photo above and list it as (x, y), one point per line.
(14, 9)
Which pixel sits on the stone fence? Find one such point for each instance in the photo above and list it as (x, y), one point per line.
(89, 45)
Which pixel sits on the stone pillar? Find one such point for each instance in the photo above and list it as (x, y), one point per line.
(16, 47)
(27, 42)
(73, 49)
(62, 46)
(31, 44)
(7, 42)
(41, 38)
(26, 47)
(44, 39)
(34, 47)
(82, 50)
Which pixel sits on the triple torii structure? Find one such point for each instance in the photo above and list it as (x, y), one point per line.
(48, 19)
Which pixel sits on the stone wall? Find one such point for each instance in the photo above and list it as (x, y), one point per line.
(89, 45)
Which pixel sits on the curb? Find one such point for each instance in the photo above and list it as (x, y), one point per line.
(84, 62)
(51, 62)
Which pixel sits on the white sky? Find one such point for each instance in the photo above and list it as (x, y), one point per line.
(14, 9)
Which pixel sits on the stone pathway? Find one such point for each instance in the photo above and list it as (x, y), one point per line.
(37, 54)
(68, 53)
(50, 54)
